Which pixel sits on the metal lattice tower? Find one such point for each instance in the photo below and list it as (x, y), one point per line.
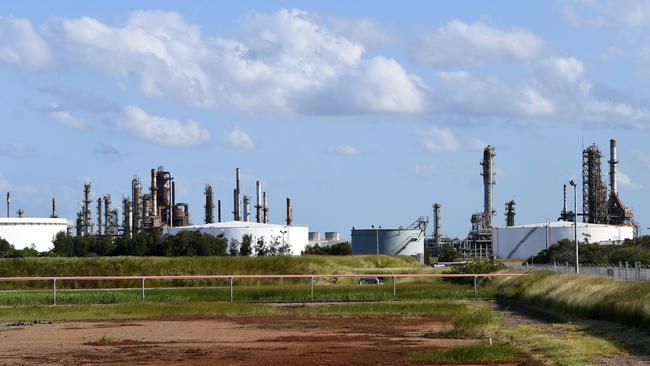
(594, 192)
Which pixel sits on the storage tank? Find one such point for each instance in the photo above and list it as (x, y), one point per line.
(314, 236)
(388, 241)
(523, 241)
(332, 235)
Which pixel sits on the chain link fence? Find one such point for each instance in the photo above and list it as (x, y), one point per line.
(623, 271)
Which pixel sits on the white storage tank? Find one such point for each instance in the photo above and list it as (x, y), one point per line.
(523, 241)
(294, 235)
(24, 232)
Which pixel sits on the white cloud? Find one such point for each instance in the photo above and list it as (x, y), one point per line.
(612, 53)
(443, 140)
(458, 43)
(625, 181)
(163, 131)
(279, 60)
(58, 115)
(345, 150)
(238, 139)
(462, 93)
(21, 45)
(623, 16)
(364, 31)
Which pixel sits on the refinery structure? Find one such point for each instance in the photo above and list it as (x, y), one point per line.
(603, 218)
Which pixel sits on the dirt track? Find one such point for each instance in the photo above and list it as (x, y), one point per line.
(224, 341)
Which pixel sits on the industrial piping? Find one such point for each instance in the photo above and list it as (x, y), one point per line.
(436, 223)
(612, 168)
(289, 212)
(488, 184)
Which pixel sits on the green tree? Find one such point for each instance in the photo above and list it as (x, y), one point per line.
(246, 245)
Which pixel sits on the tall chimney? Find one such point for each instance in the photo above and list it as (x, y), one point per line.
(127, 218)
(265, 210)
(612, 168)
(237, 197)
(564, 199)
(154, 195)
(258, 201)
(289, 211)
(86, 210)
(436, 223)
(8, 202)
(170, 211)
(488, 184)
(54, 215)
(209, 205)
(247, 208)
(219, 210)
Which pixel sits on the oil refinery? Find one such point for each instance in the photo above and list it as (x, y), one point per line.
(604, 218)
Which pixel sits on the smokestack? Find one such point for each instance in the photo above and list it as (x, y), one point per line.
(265, 210)
(86, 210)
(8, 202)
(235, 199)
(436, 223)
(564, 199)
(154, 194)
(209, 205)
(247, 208)
(488, 184)
(99, 216)
(510, 213)
(127, 217)
(54, 215)
(237, 195)
(289, 211)
(170, 212)
(612, 168)
(258, 201)
(219, 210)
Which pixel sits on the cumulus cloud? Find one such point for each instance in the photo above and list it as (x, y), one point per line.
(345, 150)
(443, 140)
(622, 16)
(625, 181)
(280, 58)
(21, 45)
(238, 139)
(365, 31)
(75, 99)
(104, 150)
(462, 93)
(163, 131)
(58, 115)
(612, 53)
(458, 43)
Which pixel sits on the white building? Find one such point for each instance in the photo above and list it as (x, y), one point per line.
(295, 235)
(27, 231)
(523, 241)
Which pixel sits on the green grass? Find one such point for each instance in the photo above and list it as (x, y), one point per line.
(434, 289)
(480, 352)
(594, 297)
(121, 266)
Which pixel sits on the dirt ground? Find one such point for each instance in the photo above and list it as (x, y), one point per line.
(221, 341)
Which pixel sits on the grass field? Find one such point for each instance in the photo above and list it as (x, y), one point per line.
(594, 297)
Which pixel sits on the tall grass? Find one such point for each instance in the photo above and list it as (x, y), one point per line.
(105, 266)
(593, 297)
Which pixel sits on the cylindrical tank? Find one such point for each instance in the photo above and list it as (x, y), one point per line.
(313, 236)
(332, 235)
(388, 241)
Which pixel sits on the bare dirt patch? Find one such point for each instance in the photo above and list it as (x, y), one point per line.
(276, 340)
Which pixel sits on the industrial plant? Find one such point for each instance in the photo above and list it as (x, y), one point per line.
(604, 218)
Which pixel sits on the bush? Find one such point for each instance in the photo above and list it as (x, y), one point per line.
(632, 250)
(342, 248)
(475, 266)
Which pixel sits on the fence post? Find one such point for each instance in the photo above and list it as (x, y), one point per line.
(475, 287)
(54, 292)
(311, 287)
(554, 266)
(232, 280)
(394, 286)
(142, 288)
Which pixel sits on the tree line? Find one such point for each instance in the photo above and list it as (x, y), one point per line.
(631, 250)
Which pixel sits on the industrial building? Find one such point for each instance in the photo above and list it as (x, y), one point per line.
(294, 235)
(22, 232)
(524, 241)
(400, 241)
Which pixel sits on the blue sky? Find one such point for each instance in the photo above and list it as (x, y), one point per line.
(364, 112)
